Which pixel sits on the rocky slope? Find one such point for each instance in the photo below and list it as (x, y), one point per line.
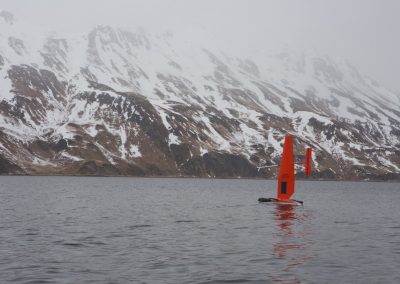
(118, 102)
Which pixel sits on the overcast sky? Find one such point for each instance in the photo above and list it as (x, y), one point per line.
(366, 32)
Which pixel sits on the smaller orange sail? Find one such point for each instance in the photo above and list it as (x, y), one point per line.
(307, 166)
(286, 171)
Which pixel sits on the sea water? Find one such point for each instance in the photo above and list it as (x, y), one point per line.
(167, 230)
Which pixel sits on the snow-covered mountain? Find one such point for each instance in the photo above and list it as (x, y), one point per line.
(124, 102)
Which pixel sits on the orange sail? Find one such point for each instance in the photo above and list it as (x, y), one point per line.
(286, 171)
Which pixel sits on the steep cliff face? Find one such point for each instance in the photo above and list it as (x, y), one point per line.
(117, 102)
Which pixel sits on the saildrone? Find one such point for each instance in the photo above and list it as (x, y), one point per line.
(286, 177)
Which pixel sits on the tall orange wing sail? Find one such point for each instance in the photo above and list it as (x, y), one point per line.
(286, 171)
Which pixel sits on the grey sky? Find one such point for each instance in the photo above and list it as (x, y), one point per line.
(367, 32)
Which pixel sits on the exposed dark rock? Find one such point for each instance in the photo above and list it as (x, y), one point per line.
(220, 165)
(98, 168)
(62, 144)
(133, 170)
(181, 153)
(7, 167)
(226, 165)
(327, 129)
(325, 174)
(154, 170)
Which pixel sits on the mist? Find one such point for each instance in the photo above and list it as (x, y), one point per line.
(364, 32)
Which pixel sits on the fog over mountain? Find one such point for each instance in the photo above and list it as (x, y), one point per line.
(198, 88)
(363, 31)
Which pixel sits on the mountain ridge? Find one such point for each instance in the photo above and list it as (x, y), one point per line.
(118, 102)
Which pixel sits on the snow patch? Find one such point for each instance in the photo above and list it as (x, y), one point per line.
(122, 148)
(134, 151)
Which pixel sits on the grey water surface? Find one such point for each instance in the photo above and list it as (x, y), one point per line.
(156, 230)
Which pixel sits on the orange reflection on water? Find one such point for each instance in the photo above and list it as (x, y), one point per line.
(290, 243)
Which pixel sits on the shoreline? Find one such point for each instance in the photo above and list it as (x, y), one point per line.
(194, 177)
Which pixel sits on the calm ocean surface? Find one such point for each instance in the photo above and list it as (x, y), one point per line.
(145, 230)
